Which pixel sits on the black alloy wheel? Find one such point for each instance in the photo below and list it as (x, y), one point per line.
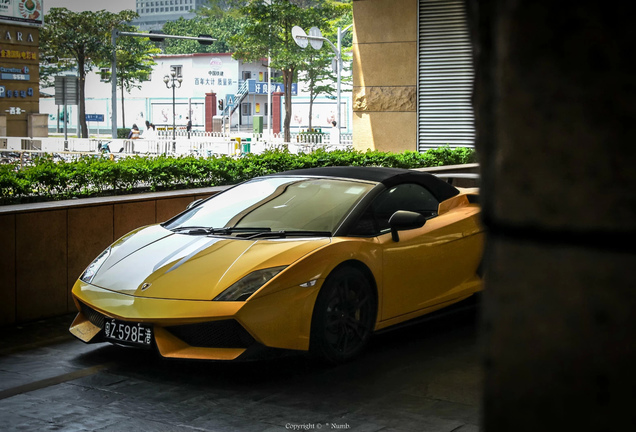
(344, 315)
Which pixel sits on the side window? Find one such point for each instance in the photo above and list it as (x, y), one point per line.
(409, 196)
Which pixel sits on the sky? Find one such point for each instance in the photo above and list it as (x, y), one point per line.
(90, 5)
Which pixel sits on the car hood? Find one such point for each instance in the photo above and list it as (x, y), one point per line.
(155, 262)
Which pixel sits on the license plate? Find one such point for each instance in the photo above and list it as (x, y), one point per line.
(133, 333)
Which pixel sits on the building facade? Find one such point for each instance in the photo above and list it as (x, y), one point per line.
(412, 80)
(153, 14)
(202, 74)
(20, 24)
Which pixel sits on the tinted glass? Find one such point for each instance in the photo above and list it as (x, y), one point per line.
(410, 197)
(278, 203)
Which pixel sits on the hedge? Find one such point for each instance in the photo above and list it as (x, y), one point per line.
(47, 179)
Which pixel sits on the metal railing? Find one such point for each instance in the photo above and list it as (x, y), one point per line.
(198, 143)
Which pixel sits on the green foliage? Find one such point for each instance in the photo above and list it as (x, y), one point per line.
(266, 33)
(81, 40)
(219, 27)
(123, 132)
(318, 75)
(89, 176)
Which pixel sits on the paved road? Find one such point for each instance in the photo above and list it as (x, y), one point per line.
(425, 377)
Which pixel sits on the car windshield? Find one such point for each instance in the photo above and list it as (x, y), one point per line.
(276, 204)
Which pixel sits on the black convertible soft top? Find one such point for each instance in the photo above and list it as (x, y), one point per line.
(387, 176)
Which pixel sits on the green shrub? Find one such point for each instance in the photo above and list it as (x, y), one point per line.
(123, 132)
(89, 176)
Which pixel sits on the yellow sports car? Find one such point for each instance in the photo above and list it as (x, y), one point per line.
(308, 260)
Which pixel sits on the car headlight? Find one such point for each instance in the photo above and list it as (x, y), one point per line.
(92, 269)
(244, 288)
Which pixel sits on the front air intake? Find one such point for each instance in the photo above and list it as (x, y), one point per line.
(213, 334)
(93, 316)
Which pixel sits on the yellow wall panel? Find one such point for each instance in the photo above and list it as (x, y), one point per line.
(385, 131)
(385, 64)
(385, 21)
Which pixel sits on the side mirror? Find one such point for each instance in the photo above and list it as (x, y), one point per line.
(194, 203)
(403, 220)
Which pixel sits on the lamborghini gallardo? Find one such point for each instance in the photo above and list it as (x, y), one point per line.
(312, 260)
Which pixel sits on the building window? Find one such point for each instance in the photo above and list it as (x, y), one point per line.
(246, 109)
(247, 75)
(178, 70)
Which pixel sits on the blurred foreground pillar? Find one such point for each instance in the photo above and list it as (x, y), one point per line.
(555, 102)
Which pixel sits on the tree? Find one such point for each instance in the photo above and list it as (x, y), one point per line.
(134, 63)
(219, 28)
(219, 18)
(267, 33)
(83, 37)
(222, 8)
(318, 73)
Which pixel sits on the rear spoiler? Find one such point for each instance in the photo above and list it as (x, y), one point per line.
(467, 177)
(458, 175)
(468, 183)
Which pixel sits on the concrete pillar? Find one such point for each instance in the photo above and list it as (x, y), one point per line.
(555, 117)
(210, 111)
(3, 125)
(38, 125)
(276, 111)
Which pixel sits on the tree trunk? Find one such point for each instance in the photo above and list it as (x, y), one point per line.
(311, 105)
(82, 100)
(288, 76)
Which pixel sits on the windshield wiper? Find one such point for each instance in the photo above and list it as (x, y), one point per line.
(191, 229)
(283, 234)
(200, 230)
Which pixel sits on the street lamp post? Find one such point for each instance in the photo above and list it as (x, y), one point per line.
(171, 81)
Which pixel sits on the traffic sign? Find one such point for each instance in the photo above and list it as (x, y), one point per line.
(315, 43)
(66, 90)
(300, 37)
(94, 117)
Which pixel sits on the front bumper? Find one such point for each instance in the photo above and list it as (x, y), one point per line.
(202, 329)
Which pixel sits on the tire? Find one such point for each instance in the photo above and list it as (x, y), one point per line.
(344, 316)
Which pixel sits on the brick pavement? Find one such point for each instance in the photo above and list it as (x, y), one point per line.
(421, 378)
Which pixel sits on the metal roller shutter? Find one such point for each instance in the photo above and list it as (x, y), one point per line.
(445, 112)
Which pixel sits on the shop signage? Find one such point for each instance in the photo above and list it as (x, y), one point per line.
(17, 54)
(216, 63)
(15, 74)
(9, 93)
(14, 111)
(261, 88)
(16, 36)
(23, 12)
(214, 81)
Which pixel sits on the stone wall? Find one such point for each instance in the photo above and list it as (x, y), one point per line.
(46, 246)
(385, 75)
(554, 104)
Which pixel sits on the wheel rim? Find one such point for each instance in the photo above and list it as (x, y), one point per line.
(348, 316)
